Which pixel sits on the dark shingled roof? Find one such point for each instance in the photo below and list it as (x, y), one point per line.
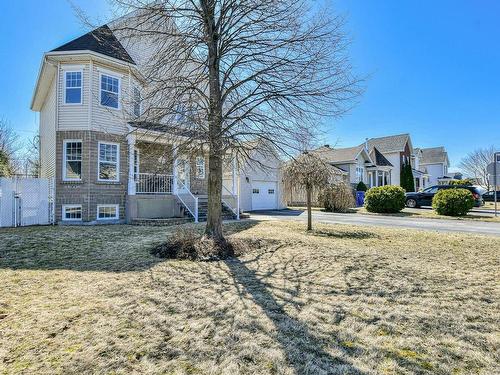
(380, 159)
(101, 40)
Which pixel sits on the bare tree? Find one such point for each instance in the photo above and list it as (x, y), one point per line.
(475, 164)
(308, 172)
(221, 73)
(9, 146)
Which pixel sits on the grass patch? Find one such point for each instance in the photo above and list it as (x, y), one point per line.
(341, 299)
(431, 214)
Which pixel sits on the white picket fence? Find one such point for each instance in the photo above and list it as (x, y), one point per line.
(26, 201)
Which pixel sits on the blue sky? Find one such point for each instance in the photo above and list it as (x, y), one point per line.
(433, 67)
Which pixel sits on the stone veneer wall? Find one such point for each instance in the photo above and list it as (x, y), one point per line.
(89, 192)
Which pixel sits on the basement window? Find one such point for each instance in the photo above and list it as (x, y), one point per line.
(71, 212)
(107, 212)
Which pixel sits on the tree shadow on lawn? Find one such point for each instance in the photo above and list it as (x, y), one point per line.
(103, 248)
(304, 352)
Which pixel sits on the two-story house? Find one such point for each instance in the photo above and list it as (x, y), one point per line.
(106, 167)
(435, 162)
(397, 149)
(360, 164)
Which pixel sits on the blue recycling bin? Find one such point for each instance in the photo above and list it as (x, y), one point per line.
(360, 198)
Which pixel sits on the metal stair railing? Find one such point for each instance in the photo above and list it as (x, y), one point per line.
(187, 199)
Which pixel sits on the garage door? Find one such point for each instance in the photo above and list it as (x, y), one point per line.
(264, 195)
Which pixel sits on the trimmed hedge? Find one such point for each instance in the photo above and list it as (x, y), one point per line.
(385, 199)
(453, 202)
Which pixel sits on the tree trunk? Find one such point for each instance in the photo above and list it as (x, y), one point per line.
(213, 228)
(309, 213)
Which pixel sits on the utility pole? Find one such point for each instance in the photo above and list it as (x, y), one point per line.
(496, 161)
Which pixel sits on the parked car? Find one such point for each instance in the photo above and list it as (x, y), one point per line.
(424, 198)
(489, 196)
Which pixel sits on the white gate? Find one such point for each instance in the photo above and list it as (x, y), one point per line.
(26, 201)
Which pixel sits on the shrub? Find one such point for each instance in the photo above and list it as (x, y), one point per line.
(385, 199)
(464, 182)
(337, 197)
(453, 202)
(361, 186)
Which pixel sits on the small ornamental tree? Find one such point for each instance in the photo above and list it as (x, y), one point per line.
(307, 172)
(407, 180)
(361, 186)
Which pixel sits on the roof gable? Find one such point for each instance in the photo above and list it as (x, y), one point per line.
(379, 158)
(101, 40)
(434, 155)
(392, 143)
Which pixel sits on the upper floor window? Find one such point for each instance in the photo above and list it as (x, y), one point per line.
(73, 87)
(109, 162)
(359, 174)
(110, 91)
(72, 160)
(137, 102)
(200, 167)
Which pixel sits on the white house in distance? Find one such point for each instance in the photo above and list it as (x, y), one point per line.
(107, 166)
(434, 161)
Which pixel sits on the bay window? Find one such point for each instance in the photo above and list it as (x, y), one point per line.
(110, 91)
(73, 87)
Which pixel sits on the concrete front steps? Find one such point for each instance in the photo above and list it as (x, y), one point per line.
(227, 214)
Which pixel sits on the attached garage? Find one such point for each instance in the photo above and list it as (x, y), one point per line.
(264, 195)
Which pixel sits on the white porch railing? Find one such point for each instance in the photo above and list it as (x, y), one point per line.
(188, 199)
(233, 204)
(150, 183)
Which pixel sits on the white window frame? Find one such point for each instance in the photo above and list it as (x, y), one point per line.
(99, 161)
(200, 176)
(65, 206)
(119, 90)
(360, 174)
(81, 86)
(117, 212)
(255, 191)
(65, 178)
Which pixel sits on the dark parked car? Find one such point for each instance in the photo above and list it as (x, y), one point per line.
(490, 196)
(424, 198)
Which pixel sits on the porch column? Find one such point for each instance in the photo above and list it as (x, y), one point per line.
(174, 170)
(131, 160)
(234, 188)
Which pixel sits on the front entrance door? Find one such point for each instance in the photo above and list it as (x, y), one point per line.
(183, 175)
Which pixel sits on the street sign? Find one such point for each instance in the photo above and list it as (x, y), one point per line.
(491, 168)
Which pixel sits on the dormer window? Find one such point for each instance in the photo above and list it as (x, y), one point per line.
(73, 87)
(110, 91)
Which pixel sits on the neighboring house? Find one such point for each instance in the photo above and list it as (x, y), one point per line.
(107, 168)
(359, 163)
(397, 149)
(436, 163)
(419, 172)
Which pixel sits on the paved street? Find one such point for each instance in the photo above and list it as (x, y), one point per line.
(439, 225)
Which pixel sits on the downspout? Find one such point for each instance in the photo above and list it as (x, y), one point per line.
(90, 104)
(56, 130)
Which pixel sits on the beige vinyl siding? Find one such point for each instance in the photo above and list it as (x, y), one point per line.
(48, 134)
(74, 116)
(105, 119)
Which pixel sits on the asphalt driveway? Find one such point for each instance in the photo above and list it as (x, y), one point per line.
(437, 225)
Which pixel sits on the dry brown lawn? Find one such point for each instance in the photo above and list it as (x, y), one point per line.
(343, 299)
